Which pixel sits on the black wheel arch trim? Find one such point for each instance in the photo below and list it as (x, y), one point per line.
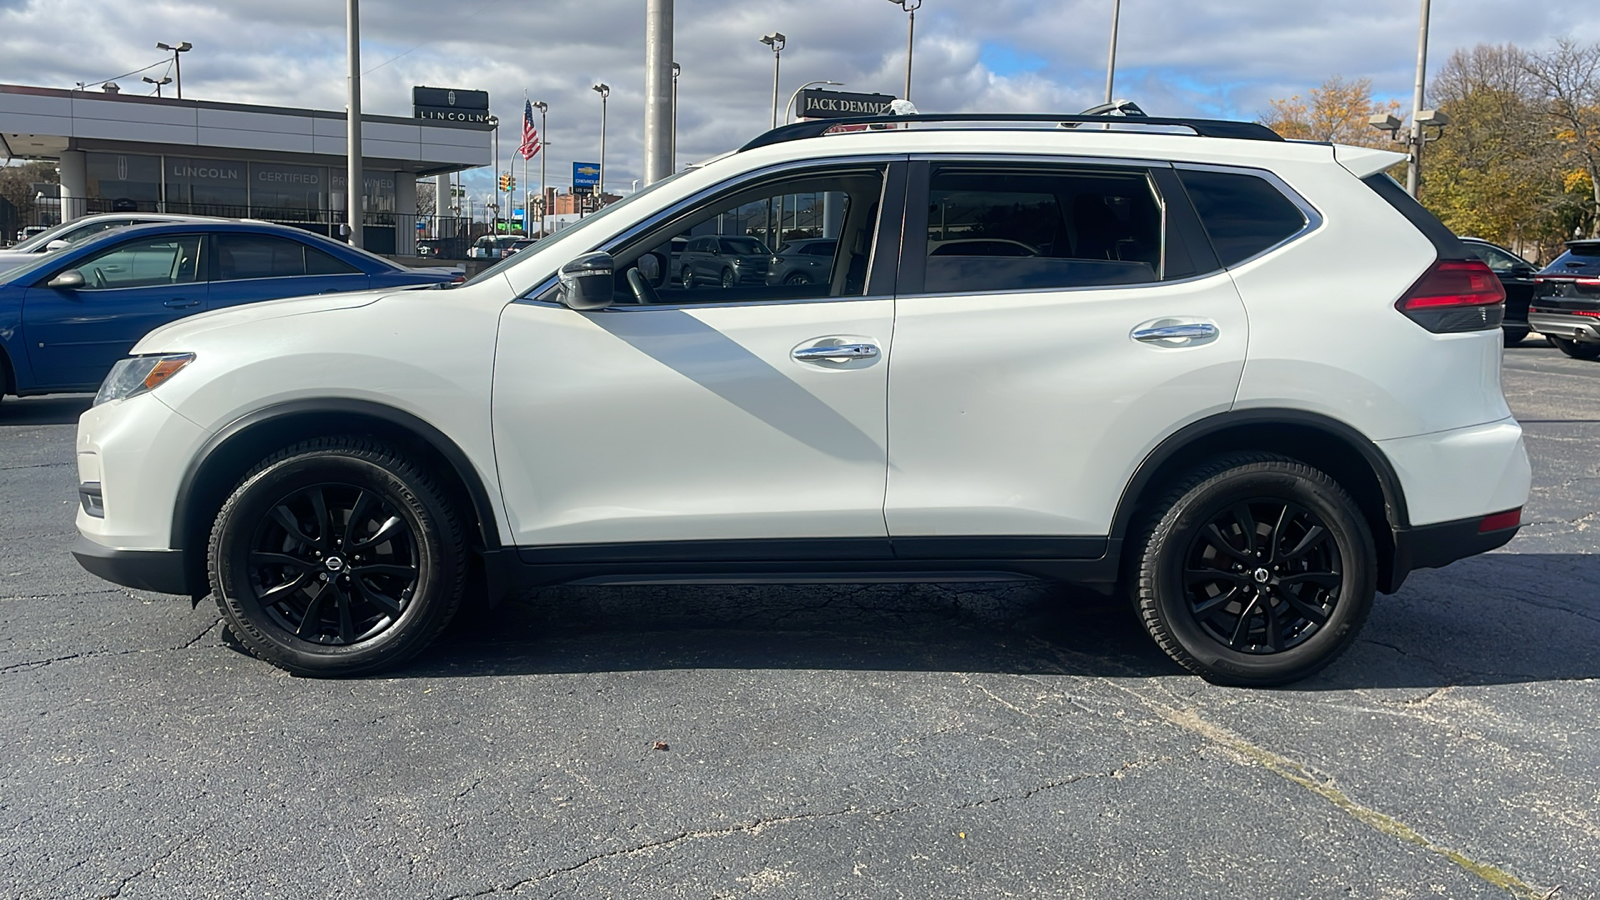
(487, 532)
(1157, 461)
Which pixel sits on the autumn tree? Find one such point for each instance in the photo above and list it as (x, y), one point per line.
(16, 183)
(1337, 111)
(1569, 77)
(1493, 172)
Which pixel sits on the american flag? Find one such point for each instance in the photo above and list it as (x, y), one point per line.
(530, 134)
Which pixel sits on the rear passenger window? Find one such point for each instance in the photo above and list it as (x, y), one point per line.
(242, 256)
(1001, 229)
(1243, 214)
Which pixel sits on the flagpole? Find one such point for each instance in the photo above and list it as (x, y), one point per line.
(526, 231)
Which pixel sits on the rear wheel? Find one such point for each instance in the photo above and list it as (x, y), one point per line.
(1260, 570)
(1575, 349)
(1513, 334)
(336, 557)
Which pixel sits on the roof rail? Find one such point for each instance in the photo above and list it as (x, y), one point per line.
(1217, 128)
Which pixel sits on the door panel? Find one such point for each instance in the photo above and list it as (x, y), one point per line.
(699, 423)
(1056, 334)
(75, 336)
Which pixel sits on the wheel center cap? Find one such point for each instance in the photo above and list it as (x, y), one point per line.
(1262, 576)
(334, 563)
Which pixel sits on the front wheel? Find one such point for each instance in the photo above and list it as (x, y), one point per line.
(336, 557)
(1575, 349)
(728, 278)
(1260, 570)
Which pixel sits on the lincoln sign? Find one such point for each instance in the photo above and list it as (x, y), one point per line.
(838, 104)
(451, 105)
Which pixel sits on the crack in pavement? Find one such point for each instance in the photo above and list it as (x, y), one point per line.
(124, 882)
(761, 825)
(41, 663)
(1298, 774)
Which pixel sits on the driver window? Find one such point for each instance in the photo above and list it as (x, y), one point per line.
(150, 262)
(801, 237)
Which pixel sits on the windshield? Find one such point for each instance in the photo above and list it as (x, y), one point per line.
(745, 246)
(38, 241)
(587, 222)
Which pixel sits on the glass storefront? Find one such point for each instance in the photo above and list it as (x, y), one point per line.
(273, 191)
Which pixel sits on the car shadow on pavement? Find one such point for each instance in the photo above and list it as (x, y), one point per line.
(1499, 619)
(53, 409)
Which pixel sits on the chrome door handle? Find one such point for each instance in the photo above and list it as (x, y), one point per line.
(835, 352)
(181, 303)
(1190, 331)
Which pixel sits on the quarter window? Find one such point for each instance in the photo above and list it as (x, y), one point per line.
(241, 256)
(149, 262)
(1004, 229)
(1243, 214)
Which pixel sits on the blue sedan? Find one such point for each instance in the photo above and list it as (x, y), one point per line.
(66, 319)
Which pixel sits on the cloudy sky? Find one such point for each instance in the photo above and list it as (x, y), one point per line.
(1223, 58)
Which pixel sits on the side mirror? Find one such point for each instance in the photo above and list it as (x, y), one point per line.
(70, 280)
(57, 244)
(587, 282)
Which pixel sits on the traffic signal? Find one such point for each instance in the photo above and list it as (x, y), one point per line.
(508, 182)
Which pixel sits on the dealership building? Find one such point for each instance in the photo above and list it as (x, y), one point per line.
(120, 152)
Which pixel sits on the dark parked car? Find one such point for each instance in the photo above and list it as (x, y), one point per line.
(723, 259)
(1566, 300)
(67, 318)
(1516, 276)
(803, 262)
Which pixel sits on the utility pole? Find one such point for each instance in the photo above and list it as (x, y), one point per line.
(544, 144)
(354, 187)
(676, 71)
(911, 7)
(604, 90)
(658, 82)
(776, 41)
(1111, 58)
(1414, 167)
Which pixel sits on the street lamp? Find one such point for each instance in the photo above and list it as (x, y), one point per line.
(499, 195)
(911, 7)
(796, 95)
(177, 64)
(544, 141)
(1414, 138)
(1111, 58)
(676, 71)
(604, 90)
(158, 82)
(776, 41)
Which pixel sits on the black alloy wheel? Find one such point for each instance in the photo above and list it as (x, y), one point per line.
(1260, 570)
(1263, 575)
(337, 556)
(333, 564)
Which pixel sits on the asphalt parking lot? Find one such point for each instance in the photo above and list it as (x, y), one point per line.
(840, 741)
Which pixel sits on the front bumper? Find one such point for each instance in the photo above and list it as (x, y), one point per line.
(1565, 325)
(148, 570)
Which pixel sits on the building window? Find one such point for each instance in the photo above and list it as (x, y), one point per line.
(288, 193)
(211, 187)
(123, 182)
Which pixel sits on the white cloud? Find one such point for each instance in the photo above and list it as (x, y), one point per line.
(1221, 57)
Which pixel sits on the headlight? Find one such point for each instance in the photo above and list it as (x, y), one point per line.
(136, 374)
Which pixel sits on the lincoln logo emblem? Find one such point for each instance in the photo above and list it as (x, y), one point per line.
(451, 98)
(122, 168)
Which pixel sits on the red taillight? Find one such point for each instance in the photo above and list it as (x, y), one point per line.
(1591, 313)
(1501, 521)
(459, 279)
(1455, 295)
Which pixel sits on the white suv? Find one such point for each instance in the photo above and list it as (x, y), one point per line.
(1246, 382)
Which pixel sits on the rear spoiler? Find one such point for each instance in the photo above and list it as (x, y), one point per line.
(1364, 161)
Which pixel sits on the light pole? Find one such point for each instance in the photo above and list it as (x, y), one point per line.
(177, 64)
(158, 82)
(604, 90)
(657, 90)
(794, 96)
(676, 71)
(354, 186)
(544, 141)
(499, 191)
(1111, 58)
(1414, 168)
(911, 7)
(776, 40)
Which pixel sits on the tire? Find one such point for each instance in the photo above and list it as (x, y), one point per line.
(686, 278)
(797, 278)
(1513, 334)
(298, 575)
(1201, 602)
(1574, 349)
(728, 278)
